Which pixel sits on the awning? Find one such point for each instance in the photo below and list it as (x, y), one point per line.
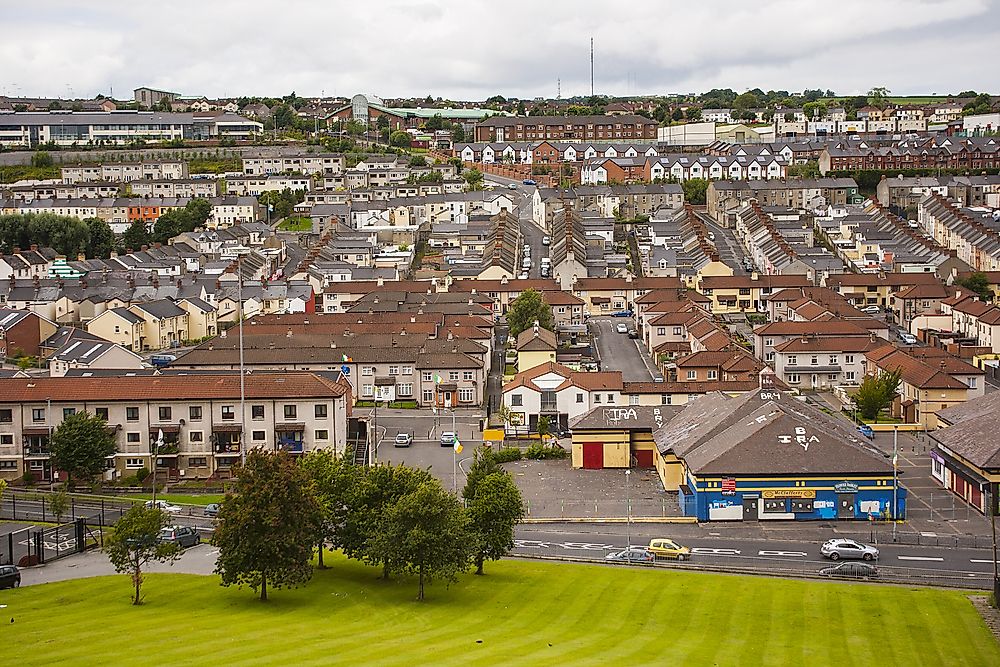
(36, 431)
(166, 428)
(226, 428)
(385, 382)
(289, 427)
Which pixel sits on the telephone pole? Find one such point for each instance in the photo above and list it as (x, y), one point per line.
(591, 66)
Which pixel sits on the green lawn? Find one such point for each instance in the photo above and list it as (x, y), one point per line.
(296, 224)
(521, 613)
(182, 498)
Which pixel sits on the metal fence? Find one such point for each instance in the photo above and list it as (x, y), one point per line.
(34, 545)
(595, 509)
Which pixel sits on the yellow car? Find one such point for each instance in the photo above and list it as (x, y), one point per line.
(664, 548)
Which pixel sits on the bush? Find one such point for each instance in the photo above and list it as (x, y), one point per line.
(140, 475)
(28, 478)
(507, 454)
(542, 452)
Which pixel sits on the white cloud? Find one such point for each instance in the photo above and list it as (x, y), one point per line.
(515, 48)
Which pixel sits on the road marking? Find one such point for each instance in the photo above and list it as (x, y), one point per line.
(933, 558)
(797, 554)
(976, 560)
(716, 552)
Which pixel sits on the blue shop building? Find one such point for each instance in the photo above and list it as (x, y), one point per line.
(766, 455)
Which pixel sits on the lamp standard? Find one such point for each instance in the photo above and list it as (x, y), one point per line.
(628, 508)
(895, 477)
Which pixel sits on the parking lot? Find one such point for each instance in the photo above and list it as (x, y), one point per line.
(617, 352)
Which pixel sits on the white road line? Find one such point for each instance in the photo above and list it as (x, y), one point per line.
(715, 552)
(976, 560)
(920, 558)
(797, 554)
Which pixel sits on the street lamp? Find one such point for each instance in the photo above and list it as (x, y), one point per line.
(895, 476)
(628, 508)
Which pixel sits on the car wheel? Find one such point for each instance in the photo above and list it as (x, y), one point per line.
(681, 557)
(17, 583)
(834, 556)
(868, 557)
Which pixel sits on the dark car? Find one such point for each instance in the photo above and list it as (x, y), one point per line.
(622, 313)
(10, 576)
(182, 536)
(528, 181)
(851, 571)
(212, 510)
(632, 333)
(632, 555)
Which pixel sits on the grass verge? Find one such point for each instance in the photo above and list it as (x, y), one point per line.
(523, 613)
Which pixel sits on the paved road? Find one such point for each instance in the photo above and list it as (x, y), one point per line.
(531, 233)
(963, 567)
(618, 352)
(730, 250)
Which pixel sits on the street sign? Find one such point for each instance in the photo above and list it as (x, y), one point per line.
(493, 434)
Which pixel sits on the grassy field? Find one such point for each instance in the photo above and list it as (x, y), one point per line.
(521, 613)
(182, 498)
(296, 224)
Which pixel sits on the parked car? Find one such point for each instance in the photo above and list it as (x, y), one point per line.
(632, 555)
(512, 186)
(544, 271)
(182, 536)
(10, 576)
(621, 327)
(662, 547)
(867, 431)
(632, 333)
(838, 548)
(402, 440)
(622, 313)
(164, 505)
(871, 310)
(546, 240)
(212, 510)
(851, 571)
(528, 181)
(447, 439)
(907, 338)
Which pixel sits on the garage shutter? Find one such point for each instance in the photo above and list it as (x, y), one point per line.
(593, 455)
(643, 458)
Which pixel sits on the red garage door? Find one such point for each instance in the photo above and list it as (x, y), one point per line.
(643, 458)
(593, 455)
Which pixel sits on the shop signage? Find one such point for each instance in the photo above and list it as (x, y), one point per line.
(728, 486)
(845, 487)
(789, 493)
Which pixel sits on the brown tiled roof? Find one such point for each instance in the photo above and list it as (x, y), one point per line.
(560, 298)
(649, 283)
(532, 340)
(166, 387)
(712, 359)
(913, 371)
(894, 280)
(764, 282)
(830, 344)
(828, 328)
(925, 291)
(974, 439)
(731, 386)
(480, 285)
(590, 381)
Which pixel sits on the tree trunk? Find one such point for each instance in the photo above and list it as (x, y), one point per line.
(321, 565)
(385, 569)
(420, 594)
(263, 587)
(479, 563)
(137, 580)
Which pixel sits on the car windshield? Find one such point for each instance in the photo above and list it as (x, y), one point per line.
(166, 532)
(402, 437)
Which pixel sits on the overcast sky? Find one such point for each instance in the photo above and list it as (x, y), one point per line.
(474, 49)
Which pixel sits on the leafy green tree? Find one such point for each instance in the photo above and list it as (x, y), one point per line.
(169, 225)
(102, 238)
(133, 543)
(494, 510)
(80, 445)
(370, 495)
(458, 133)
(677, 114)
(978, 283)
(544, 428)
(267, 527)
(332, 477)
(877, 97)
(418, 161)
(198, 211)
(59, 504)
(473, 179)
(136, 236)
(427, 535)
(526, 309)
(695, 190)
(400, 139)
(435, 122)
(876, 393)
(747, 100)
(42, 159)
(484, 464)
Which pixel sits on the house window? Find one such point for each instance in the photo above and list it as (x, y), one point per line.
(321, 435)
(367, 390)
(849, 359)
(516, 400)
(611, 398)
(453, 376)
(769, 357)
(258, 436)
(661, 331)
(832, 377)
(834, 360)
(132, 436)
(814, 361)
(319, 410)
(102, 413)
(132, 414)
(793, 378)
(427, 395)
(256, 411)
(713, 375)
(579, 397)
(7, 439)
(769, 342)
(407, 370)
(692, 375)
(228, 412)
(427, 376)
(6, 416)
(465, 395)
(597, 398)
(633, 399)
(792, 360)
(194, 413)
(393, 370)
(678, 331)
(164, 413)
(195, 436)
(290, 412)
(68, 412)
(38, 414)
(368, 370)
(197, 462)
(405, 389)
(849, 375)
(972, 383)
(134, 464)
(467, 376)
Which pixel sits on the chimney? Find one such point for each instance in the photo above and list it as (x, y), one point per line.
(450, 336)
(34, 247)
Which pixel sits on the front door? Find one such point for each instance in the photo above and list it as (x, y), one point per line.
(593, 455)
(845, 505)
(750, 508)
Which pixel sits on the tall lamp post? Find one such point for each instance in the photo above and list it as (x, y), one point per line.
(628, 508)
(895, 477)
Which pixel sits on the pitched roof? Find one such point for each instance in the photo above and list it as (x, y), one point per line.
(536, 340)
(973, 439)
(913, 371)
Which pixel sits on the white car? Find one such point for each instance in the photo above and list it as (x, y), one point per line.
(546, 240)
(621, 328)
(871, 310)
(164, 506)
(512, 186)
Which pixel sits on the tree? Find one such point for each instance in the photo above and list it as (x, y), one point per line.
(473, 178)
(695, 190)
(484, 464)
(427, 535)
(169, 225)
(102, 238)
(877, 96)
(332, 477)
(198, 211)
(3, 487)
(494, 510)
(544, 427)
(979, 283)
(132, 543)
(267, 528)
(876, 393)
(80, 445)
(418, 161)
(136, 236)
(526, 309)
(677, 114)
(40, 159)
(745, 101)
(693, 114)
(458, 134)
(400, 139)
(370, 494)
(58, 504)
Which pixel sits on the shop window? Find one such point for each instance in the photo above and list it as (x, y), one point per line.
(801, 505)
(775, 506)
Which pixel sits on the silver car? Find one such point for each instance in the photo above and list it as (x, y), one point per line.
(848, 549)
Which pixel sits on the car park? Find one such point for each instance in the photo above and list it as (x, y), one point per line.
(632, 555)
(447, 439)
(212, 510)
(182, 536)
(402, 440)
(841, 548)
(621, 328)
(851, 571)
(10, 576)
(164, 505)
(662, 547)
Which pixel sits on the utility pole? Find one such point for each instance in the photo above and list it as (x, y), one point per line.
(591, 66)
(628, 508)
(243, 395)
(895, 477)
